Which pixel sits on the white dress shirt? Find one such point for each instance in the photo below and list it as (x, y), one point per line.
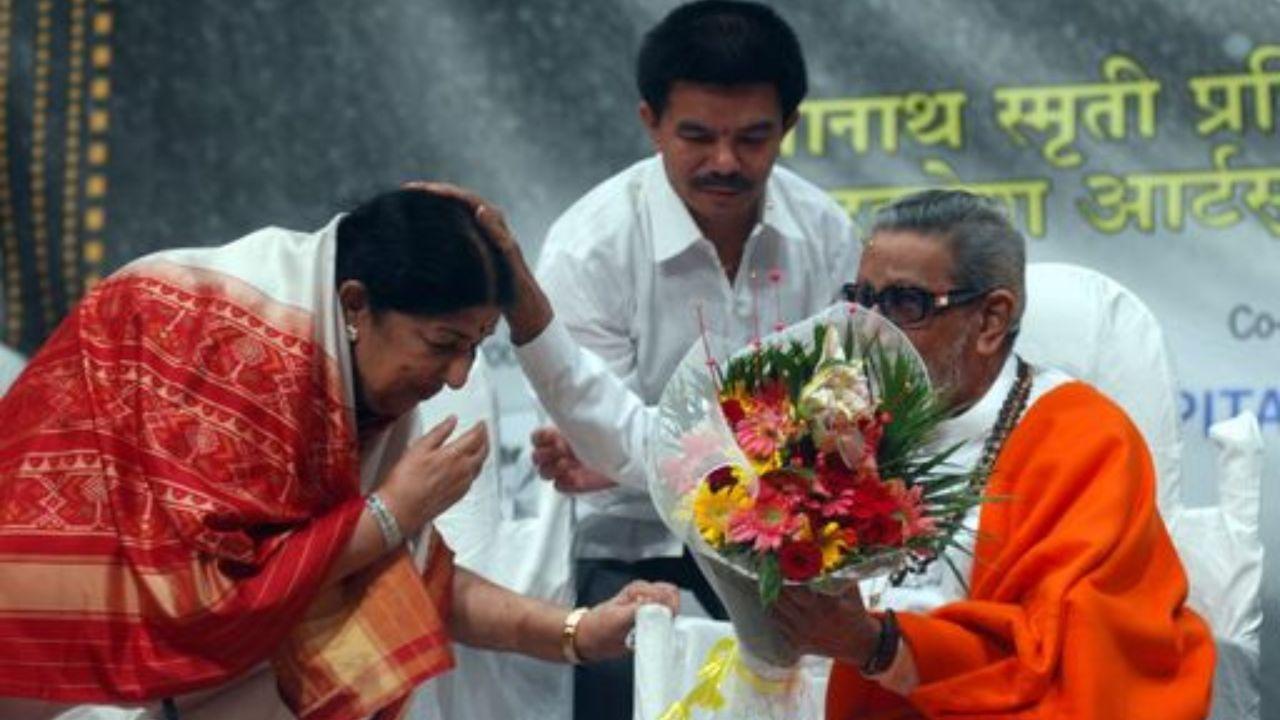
(627, 269)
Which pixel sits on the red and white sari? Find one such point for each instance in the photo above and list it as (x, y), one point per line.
(178, 472)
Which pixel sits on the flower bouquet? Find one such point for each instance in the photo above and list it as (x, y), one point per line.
(805, 460)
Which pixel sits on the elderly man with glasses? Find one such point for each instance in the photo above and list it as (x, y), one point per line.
(1068, 599)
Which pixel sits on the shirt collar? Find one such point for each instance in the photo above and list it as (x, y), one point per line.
(674, 228)
(777, 214)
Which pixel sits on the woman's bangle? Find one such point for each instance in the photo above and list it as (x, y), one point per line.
(387, 523)
(569, 635)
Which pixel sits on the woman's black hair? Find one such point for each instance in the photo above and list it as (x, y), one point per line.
(421, 254)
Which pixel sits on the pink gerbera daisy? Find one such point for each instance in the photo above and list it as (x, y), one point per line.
(911, 509)
(765, 524)
(767, 423)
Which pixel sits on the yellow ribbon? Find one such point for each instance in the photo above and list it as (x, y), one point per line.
(721, 659)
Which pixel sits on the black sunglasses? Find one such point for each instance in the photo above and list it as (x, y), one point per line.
(908, 305)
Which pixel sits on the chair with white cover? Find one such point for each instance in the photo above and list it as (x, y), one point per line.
(1223, 553)
(1096, 330)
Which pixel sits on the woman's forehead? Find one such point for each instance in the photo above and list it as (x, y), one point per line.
(473, 323)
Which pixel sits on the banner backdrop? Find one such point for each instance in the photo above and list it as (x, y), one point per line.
(1137, 137)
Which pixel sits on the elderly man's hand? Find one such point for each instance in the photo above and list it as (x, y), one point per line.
(834, 626)
(557, 462)
(602, 632)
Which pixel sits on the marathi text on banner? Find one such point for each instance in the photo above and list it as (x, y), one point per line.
(1054, 110)
(1119, 201)
(935, 118)
(1222, 96)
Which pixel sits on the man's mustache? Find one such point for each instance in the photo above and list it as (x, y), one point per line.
(717, 181)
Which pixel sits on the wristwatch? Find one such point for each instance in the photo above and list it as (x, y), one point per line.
(886, 645)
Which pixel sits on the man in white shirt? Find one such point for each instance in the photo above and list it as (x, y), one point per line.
(707, 231)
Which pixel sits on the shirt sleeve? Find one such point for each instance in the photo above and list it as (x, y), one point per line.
(607, 424)
(594, 302)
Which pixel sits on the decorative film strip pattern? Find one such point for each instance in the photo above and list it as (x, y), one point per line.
(38, 171)
(71, 153)
(95, 192)
(53, 159)
(8, 227)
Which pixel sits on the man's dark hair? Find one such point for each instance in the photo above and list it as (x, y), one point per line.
(420, 254)
(721, 42)
(987, 251)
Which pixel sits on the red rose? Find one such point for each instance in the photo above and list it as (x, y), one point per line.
(722, 477)
(834, 476)
(784, 482)
(733, 412)
(883, 530)
(800, 561)
(873, 500)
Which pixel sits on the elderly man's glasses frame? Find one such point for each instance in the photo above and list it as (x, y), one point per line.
(908, 305)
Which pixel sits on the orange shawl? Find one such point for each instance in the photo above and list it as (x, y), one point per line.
(178, 472)
(1076, 608)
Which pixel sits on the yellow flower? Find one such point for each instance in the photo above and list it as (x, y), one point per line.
(804, 531)
(766, 464)
(711, 510)
(834, 541)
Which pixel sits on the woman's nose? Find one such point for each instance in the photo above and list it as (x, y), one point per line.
(459, 370)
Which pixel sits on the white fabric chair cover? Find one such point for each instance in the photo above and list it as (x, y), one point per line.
(1223, 553)
(525, 555)
(1091, 327)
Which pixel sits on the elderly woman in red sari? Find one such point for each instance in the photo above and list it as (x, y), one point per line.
(214, 497)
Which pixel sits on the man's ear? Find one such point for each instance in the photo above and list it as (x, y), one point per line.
(998, 308)
(650, 120)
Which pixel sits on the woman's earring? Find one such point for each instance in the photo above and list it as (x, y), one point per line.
(353, 333)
